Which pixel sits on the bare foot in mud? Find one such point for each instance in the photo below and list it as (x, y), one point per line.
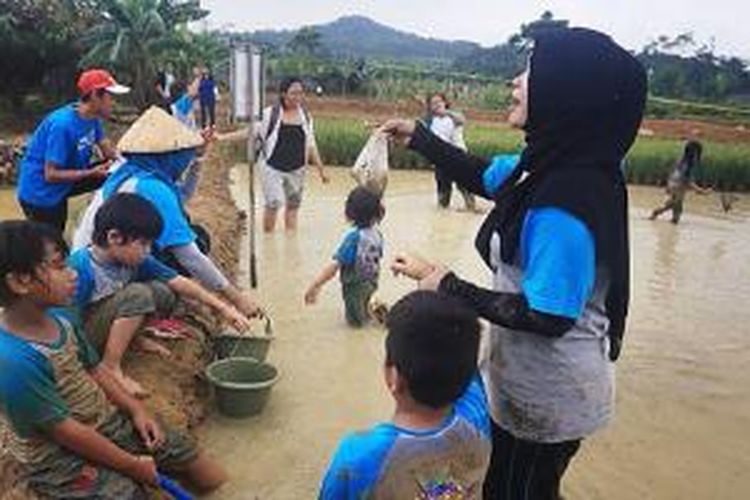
(378, 311)
(145, 344)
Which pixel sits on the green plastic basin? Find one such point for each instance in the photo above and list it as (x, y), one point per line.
(242, 386)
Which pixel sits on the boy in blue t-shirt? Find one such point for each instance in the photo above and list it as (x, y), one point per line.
(120, 284)
(74, 430)
(437, 444)
(358, 257)
(57, 163)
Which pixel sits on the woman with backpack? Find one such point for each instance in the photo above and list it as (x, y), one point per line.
(288, 146)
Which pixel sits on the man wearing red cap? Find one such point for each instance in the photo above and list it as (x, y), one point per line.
(57, 164)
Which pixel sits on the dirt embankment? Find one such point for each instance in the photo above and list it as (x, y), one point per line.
(178, 391)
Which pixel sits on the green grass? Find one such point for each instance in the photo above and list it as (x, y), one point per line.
(725, 166)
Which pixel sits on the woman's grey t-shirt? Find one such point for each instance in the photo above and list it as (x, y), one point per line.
(547, 389)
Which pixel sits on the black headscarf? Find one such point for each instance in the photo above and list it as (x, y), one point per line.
(586, 100)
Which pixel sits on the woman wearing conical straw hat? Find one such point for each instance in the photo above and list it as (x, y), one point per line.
(158, 149)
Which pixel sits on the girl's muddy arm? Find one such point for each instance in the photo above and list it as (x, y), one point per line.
(88, 443)
(327, 274)
(185, 287)
(465, 169)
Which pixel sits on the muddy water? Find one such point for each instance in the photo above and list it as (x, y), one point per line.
(681, 430)
(683, 384)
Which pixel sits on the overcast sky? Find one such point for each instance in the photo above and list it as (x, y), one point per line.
(631, 22)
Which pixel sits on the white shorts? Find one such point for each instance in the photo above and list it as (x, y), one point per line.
(283, 188)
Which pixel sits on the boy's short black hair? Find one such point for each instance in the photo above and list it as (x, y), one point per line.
(22, 250)
(133, 216)
(433, 341)
(363, 207)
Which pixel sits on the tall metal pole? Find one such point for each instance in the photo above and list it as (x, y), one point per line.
(248, 95)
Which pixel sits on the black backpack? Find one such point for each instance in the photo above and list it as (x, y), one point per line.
(276, 116)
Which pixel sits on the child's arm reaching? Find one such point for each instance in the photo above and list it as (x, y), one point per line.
(86, 442)
(147, 427)
(327, 274)
(188, 288)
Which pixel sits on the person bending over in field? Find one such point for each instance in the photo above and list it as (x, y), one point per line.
(680, 181)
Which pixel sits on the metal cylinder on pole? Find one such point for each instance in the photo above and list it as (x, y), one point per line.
(247, 83)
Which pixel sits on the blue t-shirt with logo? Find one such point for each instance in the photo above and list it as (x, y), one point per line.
(391, 462)
(65, 139)
(99, 280)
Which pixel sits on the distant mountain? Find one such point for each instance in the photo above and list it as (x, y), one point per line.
(358, 36)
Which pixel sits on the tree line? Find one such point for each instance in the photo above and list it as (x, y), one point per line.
(46, 43)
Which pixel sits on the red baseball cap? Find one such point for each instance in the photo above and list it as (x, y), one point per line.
(96, 79)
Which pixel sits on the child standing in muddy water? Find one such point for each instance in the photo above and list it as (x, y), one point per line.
(120, 285)
(73, 428)
(680, 181)
(437, 445)
(357, 258)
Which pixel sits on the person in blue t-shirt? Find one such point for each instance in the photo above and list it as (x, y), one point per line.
(556, 243)
(437, 445)
(57, 163)
(158, 149)
(68, 424)
(357, 258)
(183, 102)
(207, 93)
(120, 284)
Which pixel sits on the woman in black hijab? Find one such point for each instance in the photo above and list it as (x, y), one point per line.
(557, 244)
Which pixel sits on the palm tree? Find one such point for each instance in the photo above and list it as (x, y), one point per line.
(127, 38)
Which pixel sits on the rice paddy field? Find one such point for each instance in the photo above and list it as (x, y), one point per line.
(726, 165)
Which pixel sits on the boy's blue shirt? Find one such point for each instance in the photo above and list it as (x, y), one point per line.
(359, 254)
(89, 287)
(29, 396)
(65, 139)
(389, 457)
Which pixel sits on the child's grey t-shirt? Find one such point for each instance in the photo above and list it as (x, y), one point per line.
(360, 254)
(99, 280)
(391, 462)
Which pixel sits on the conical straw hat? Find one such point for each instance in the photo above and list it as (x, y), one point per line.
(155, 131)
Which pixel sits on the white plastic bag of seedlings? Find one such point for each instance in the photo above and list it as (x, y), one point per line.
(371, 168)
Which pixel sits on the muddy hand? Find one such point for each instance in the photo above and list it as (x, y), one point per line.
(239, 321)
(143, 470)
(102, 170)
(399, 129)
(149, 430)
(412, 267)
(248, 307)
(311, 296)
